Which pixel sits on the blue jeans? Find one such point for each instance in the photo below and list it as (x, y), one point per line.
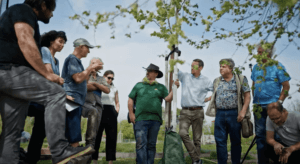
(226, 122)
(146, 132)
(260, 132)
(73, 127)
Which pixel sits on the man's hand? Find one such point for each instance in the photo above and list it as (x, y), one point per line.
(70, 98)
(93, 71)
(132, 117)
(278, 148)
(96, 66)
(55, 78)
(285, 155)
(207, 99)
(241, 115)
(176, 83)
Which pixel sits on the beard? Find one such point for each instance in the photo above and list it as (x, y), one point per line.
(43, 17)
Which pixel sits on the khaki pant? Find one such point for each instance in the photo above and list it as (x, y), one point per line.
(194, 118)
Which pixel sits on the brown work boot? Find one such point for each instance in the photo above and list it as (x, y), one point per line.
(71, 152)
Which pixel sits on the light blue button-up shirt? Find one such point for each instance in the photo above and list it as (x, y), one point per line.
(194, 90)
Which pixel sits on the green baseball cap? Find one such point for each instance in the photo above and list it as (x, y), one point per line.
(81, 41)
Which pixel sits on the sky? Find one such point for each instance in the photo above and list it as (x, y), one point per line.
(127, 56)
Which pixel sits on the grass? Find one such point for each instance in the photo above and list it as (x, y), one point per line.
(130, 147)
(132, 160)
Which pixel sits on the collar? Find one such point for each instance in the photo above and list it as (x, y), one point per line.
(96, 76)
(196, 77)
(73, 56)
(233, 77)
(56, 60)
(146, 81)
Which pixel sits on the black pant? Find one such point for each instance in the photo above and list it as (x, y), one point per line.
(293, 159)
(108, 123)
(38, 134)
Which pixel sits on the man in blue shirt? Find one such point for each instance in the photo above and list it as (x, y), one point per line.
(270, 85)
(75, 86)
(194, 90)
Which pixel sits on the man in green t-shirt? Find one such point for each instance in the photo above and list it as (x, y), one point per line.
(148, 96)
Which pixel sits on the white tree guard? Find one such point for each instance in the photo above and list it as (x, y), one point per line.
(174, 88)
(167, 104)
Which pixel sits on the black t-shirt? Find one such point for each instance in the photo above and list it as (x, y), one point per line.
(10, 51)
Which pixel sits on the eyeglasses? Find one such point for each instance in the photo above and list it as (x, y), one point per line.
(110, 78)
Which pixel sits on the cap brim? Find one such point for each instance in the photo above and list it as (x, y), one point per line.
(90, 46)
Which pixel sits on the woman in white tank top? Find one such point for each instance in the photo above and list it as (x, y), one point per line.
(109, 121)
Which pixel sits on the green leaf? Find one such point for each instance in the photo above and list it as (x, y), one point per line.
(195, 67)
(118, 7)
(172, 62)
(87, 13)
(128, 35)
(286, 74)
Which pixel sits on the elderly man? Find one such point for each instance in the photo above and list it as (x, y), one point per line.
(226, 105)
(76, 86)
(147, 118)
(24, 78)
(270, 85)
(287, 126)
(93, 108)
(194, 90)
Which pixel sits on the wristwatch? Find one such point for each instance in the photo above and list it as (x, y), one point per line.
(280, 101)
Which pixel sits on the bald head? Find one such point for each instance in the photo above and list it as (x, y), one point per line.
(277, 113)
(275, 105)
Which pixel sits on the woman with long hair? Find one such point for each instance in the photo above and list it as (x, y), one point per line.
(51, 43)
(109, 121)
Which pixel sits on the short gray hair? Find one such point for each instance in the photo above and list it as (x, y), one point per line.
(229, 62)
(96, 58)
(269, 51)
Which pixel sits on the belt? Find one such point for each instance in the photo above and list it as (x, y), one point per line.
(193, 108)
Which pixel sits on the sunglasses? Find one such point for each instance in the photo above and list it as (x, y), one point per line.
(110, 78)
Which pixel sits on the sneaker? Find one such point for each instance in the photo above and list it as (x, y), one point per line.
(71, 152)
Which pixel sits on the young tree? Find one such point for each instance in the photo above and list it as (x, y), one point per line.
(267, 20)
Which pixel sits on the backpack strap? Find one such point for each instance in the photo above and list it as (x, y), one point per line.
(216, 83)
